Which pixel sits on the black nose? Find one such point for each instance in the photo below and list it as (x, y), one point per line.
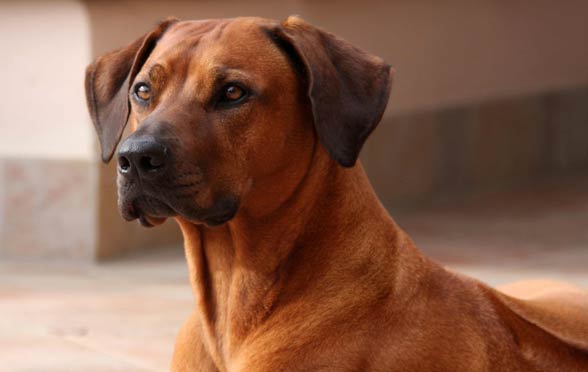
(143, 154)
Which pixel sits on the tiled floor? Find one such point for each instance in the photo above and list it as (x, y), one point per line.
(123, 316)
(119, 316)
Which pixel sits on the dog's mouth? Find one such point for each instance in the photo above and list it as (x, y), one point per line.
(149, 221)
(153, 211)
(149, 211)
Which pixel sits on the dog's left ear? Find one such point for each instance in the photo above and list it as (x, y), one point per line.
(348, 88)
(107, 87)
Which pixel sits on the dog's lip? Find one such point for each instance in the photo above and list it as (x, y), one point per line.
(150, 221)
(131, 211)
(153, 211)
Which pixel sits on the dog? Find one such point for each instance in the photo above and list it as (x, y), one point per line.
(247, 131)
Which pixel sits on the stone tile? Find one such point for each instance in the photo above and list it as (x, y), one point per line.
(48, 208)
(113, 317)
(36, 353)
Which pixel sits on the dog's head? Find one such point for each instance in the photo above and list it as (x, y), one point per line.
(217, 107)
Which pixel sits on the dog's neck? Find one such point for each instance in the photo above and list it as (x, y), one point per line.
(243, 271)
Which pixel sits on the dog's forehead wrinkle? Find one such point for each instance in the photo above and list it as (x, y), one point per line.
(156, 71)
(186, 36)
(217, 32)
(224, 72)
(215, 42)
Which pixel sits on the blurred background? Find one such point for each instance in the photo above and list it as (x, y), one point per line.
(482, 156)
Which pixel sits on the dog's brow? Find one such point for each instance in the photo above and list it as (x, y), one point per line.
(155, 70)
(224, 73)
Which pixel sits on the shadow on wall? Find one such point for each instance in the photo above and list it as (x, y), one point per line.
(413, 158)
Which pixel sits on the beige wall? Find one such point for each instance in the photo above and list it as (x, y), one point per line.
(45, 48)
(48, 176)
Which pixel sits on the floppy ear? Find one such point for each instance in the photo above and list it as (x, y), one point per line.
(348, 88)
(107, 87)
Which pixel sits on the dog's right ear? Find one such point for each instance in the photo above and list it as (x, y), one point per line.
(107, 87)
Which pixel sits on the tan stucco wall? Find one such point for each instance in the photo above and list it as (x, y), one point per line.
(48, 175)
(45, 48)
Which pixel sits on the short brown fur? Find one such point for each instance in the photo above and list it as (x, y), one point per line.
(311, 273)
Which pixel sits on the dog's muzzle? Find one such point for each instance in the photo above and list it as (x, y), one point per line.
(143, 164)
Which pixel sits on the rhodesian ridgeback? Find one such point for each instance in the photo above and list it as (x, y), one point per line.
(247, 132)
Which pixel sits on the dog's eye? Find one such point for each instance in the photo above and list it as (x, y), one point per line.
(143, 92)
(232, 93)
